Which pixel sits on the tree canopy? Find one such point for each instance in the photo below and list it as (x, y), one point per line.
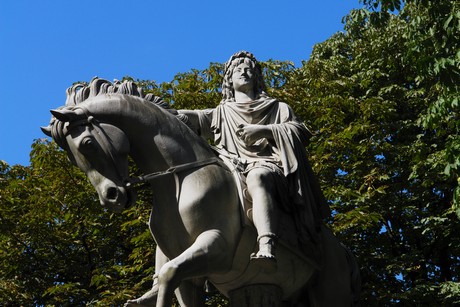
(383, 163)
(382, 100)
(58, 246)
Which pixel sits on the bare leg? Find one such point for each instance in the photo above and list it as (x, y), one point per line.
(262, 188)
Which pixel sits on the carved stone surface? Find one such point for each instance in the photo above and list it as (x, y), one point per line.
(196, 216)
(256, 295)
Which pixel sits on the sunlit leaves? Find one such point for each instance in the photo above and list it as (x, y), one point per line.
(382, 168)
(56, 242)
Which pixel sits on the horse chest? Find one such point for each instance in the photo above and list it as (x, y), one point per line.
(167, 225)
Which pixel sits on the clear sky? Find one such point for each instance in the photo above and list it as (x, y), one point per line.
(47, 45)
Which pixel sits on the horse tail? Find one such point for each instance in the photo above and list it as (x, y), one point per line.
(355, 276)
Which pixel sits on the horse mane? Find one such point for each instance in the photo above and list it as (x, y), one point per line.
(80, 92)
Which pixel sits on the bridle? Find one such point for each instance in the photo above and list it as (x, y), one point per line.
(108, 147)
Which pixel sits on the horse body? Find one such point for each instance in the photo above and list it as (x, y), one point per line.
(195, 217)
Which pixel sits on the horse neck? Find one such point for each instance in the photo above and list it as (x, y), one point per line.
(157, 138)
(171, 144)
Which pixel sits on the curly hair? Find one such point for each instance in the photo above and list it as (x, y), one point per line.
(228, 91)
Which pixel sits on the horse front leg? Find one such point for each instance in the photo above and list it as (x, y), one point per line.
(209, 253)
(188, 293)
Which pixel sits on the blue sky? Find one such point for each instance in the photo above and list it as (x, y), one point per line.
(47, 45)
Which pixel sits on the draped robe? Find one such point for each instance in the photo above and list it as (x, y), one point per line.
(305, 201)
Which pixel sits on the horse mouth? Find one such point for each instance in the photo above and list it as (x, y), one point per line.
(117, 198)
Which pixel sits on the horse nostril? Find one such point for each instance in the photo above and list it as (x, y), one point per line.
(112, 193)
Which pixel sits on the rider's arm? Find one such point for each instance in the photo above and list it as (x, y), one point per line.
(192, 117)
(201, 121)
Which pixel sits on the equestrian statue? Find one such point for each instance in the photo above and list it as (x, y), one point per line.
(244, 214)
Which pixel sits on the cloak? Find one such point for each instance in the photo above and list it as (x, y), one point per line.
(306, 203)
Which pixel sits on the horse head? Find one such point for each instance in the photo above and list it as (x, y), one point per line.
(99, 149)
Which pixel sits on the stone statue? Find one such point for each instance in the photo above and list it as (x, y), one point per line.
(197, 219)
(264, 139)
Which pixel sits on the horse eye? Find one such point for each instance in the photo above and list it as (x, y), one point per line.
(87, 144)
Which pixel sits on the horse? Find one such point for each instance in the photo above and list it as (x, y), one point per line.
(196, 213)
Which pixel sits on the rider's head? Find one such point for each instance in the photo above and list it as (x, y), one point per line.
(235, 60)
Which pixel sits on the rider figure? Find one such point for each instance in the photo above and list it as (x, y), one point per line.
(267, 142)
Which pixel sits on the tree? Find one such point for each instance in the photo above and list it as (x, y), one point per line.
(58, 246)
(432, 32)
(381, 168)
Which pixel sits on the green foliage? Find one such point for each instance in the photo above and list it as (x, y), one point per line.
(196, 89)
(432, 35)
(382, 167)
(58, 246)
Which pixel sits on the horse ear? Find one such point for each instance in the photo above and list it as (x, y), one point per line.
(65, 115)
(46, 130)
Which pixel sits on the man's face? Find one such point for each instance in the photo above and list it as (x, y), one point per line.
(243, 78)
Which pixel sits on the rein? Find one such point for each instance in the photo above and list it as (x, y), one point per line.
(172, 170)
(130, 183)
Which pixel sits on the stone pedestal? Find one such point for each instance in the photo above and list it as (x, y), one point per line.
(256, 295)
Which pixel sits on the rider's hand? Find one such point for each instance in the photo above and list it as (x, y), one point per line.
(252, 133)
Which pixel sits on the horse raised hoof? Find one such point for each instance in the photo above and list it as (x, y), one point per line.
(149, 299)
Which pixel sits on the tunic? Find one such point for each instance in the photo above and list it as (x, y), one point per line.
(305, 201)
